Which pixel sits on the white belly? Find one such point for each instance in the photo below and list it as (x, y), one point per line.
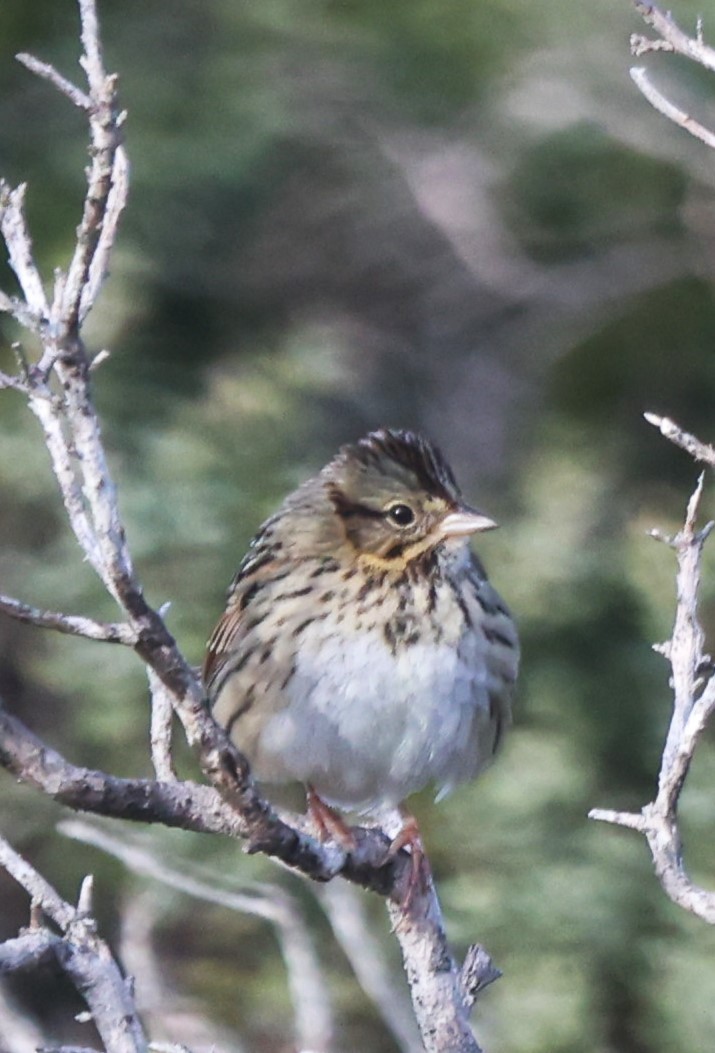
(367, 728)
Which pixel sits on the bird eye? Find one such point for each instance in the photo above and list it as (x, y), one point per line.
(401, 515)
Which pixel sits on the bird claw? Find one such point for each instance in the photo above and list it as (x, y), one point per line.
(420, 872)
(330, 825)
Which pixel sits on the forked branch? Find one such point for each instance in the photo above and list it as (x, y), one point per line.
(79, 952)
(670, 38)
(693, 701)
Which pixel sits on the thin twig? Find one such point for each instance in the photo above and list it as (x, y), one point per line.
(162, 716)
(478, 973)
(35, 885)
(662, 22)
(693, 704)
(49, 73)
(13, 383)
(631, 820)
(20, 311)
(72, 624)
(84, 957)
(314, 1022)
(639, 76)
(437, 995)
(19, 245)
(63, 466)
(105, 141)
(116, 201)
(687, 641)
(699, 451)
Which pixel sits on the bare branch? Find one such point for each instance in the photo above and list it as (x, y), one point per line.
(699, 451)
(91, 61)
(693, 704)
(641, 45)
(665, 845)
(437, 994)
(686, 645)
(72, 624)
(314, 1022)
(673, 38)
(28, 951)
(663, 105)
(19, 246)
(162, 715)
(478, 972)
(190, 806)
(40, 890)
(73, 437)
(49, 73)
(45, 409)
(13, 383)
(83, 956)
(631, 820)
(20, 312)
(179, 804)
(104, 124)
(116, 201)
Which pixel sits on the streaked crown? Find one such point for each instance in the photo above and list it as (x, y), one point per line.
(396, 496)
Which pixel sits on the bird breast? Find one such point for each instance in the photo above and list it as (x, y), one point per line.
(390, 697)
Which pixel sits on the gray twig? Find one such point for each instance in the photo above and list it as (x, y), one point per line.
(478, 973)
(49, 73)
(81, 954)
(699, 451)
(313, 1016)
(162, 716)
(663, 105)
(672, 39)
(693, 702)
(72, 624)
(438, 1000)
(16, 235)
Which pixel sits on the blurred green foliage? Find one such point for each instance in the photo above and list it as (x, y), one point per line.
(458, 217)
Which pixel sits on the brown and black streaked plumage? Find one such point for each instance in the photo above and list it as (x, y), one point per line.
(363, 651)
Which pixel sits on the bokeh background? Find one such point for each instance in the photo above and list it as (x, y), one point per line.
(452, 215)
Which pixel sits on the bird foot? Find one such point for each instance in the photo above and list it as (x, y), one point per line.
(420, 872)
(329, 824)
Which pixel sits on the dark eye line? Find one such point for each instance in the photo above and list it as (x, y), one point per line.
(348, 509)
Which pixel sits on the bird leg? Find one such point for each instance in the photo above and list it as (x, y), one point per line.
(329, 823)
(420, 873)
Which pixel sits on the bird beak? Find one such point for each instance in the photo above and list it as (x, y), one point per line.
(463, 522)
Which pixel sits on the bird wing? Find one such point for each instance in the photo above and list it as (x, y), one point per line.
(221, 641)
(258, 565)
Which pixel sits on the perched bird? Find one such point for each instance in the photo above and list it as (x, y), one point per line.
(363, 651)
